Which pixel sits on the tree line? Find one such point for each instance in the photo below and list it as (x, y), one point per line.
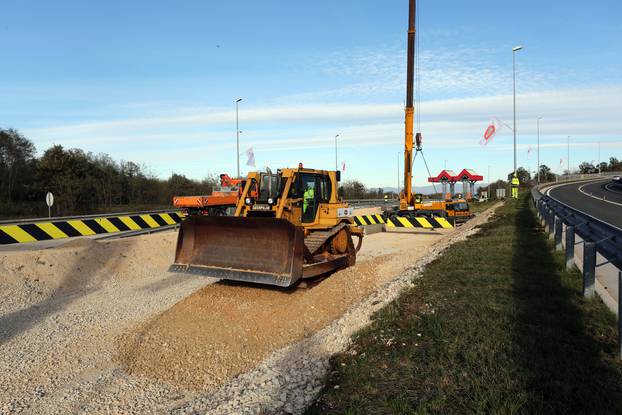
(82, 182)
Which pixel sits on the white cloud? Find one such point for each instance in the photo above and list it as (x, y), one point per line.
(586, 112)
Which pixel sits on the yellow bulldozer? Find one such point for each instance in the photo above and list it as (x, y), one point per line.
(293, 227)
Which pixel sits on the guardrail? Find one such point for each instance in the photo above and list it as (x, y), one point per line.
(25, 231)
(581, 177)
(90, 216)
(600, 240)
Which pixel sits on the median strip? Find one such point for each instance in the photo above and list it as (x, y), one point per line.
(495, 325)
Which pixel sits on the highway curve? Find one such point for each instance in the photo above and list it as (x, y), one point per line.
(599, 199)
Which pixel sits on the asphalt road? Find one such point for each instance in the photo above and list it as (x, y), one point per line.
(600, 199)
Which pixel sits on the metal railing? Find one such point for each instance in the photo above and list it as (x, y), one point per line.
(565, 225)
(89, 216)
(581, 177)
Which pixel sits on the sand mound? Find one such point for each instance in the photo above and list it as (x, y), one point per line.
(84, 264)
(226, 329)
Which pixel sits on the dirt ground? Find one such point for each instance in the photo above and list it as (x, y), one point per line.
(62, 308)
(102, 327)
(225, 329)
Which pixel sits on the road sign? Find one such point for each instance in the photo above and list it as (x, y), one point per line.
(49, 199)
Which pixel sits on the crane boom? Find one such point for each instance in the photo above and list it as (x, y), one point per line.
(406, 197)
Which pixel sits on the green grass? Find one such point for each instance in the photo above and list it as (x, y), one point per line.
(494, 325)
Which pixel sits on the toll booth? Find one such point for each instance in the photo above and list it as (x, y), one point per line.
(447, 178)
(468, 177)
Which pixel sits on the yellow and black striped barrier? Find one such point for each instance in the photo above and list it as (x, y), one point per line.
(69, 228)
(364, 220)
(403, 222)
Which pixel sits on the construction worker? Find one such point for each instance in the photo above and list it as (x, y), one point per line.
(515, 183)
(308, 198)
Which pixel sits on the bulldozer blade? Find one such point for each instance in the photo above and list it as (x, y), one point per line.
(258, 250)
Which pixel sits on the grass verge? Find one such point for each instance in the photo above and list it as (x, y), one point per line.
(494, 325)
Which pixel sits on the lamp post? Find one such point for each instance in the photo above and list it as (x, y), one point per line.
(514, 50)
(538, 166)
(336, 167)
(568, 156)
(489, 197)
(599, 158)
(237, 134)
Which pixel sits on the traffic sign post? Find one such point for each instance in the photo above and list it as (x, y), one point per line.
(49, 200)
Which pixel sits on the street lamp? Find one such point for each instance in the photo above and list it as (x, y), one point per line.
(568, 155)
(489, 196)
(538, 168)
(599, 158)
(514, 50)
(237, 133)
(336, 169)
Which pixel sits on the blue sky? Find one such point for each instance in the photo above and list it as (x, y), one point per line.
(155, 82)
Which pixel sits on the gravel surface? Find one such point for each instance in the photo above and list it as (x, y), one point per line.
(61, 310)
(226, 329)
(100, 327)
(289, 380)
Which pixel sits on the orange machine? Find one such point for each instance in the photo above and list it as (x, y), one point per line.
(412, 204)
(455, 210)
(221, 202)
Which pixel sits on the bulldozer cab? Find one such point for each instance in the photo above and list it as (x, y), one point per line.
(302, 196)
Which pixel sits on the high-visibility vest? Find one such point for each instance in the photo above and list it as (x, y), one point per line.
(515, 181)
(307, 197)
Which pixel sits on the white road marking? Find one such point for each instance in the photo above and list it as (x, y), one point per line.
(596, 197)
(548, 193)
(612, 190)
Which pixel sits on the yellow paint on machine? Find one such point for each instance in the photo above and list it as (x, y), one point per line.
(17, 233)
(81, 227)
(51, 230)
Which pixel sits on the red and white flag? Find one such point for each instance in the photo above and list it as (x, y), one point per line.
(493, 128)
(561, 161)
(490, 132)
(528, 151)
(343, 166)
